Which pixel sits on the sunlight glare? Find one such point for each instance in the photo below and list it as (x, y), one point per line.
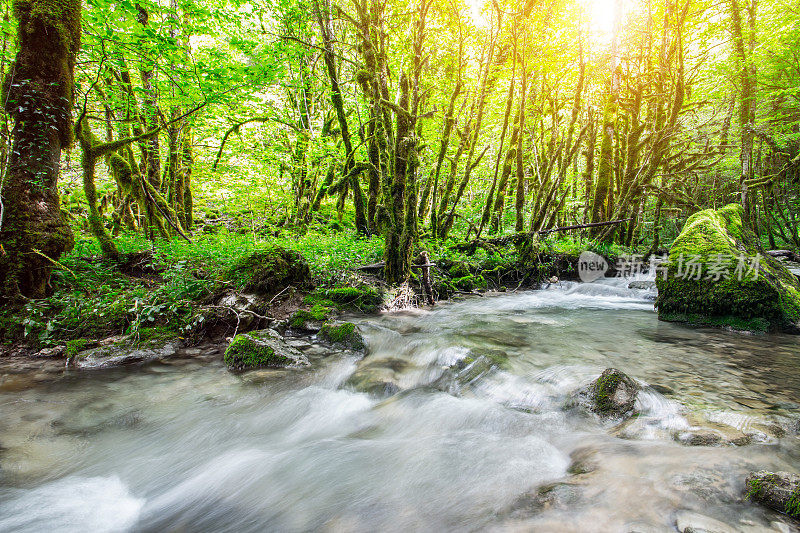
(601, 17)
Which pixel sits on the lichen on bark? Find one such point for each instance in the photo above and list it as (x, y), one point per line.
(38, 94)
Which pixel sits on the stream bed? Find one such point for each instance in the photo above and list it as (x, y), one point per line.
(461, 418)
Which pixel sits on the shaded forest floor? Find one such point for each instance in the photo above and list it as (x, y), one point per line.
(233, 277)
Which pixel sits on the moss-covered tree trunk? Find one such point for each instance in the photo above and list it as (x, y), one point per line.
(151, 148)
(444, 143)
(89, 163)
(502, 185)
(188, 161)
(748, 89)
(38, 94)
(519, 203)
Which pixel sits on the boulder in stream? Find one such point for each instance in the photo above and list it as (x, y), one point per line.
(262, 349)
(690, 522)
(343, 334)
(718, 275)
(779, 491)
(613, 394)
(378, 377)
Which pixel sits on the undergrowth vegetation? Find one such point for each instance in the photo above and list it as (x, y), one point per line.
(161, 289)
(161, 295)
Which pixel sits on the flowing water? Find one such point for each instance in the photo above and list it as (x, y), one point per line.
(469, 424)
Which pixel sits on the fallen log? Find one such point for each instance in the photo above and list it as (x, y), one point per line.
(381, 264)
(470, 247)
(786, 254)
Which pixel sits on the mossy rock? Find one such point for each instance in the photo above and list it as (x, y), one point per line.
(614, 393)
(261, 349)
(313, 318)
(270, 270)
(779, 491)
(765, 297)
(364, 298)
(75, 346)
(343, 334)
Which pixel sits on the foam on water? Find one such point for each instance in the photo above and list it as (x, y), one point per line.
(73, 503)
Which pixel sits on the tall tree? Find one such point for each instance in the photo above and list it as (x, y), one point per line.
(744, 43)
(38, 93)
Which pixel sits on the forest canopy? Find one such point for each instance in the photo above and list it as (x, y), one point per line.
(429, 120)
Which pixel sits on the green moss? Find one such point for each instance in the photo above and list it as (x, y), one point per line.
(720, 237)
(758, 487)
(459, 270)
(498, 358)
(469, 283)
(317, 313)
(338, 333)
(793, 505)
(63, 15)
(604, 389)
(756, 325)
(74, 347)
(362, 298)
(244, 352)
(344, 333)
(270, 270)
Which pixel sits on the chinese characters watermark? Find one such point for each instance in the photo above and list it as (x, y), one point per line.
(693, 267)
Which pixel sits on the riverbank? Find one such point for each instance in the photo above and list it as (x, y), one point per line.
(224, 283)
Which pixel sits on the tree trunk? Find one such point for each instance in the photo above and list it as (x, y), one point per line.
(520, 199)
(746, 105)
(38, 94)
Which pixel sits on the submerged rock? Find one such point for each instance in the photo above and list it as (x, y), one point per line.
(779, 491)
(262, 349)
(378, 377)
(469, 369)
(584, 461)
(699, 438)
(716, 275)
(689, 522)
(344, 334)
(642, 285)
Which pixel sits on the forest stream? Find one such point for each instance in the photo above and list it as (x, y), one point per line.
(475, 429)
